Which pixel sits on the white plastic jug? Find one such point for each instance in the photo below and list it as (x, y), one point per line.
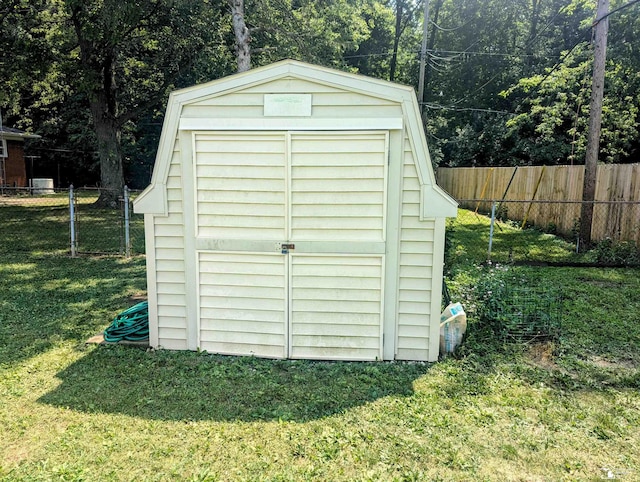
(453, 325)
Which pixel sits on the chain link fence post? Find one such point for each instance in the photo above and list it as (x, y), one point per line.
(72, 223)
(127, 231)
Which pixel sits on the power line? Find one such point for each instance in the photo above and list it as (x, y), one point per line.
(542, 30)
(434, 58)
(615, 10)
(455, 53)
(555, 67)
(479, 53)
(432, 106)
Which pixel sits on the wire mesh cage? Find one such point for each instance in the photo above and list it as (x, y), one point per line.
(530, 313)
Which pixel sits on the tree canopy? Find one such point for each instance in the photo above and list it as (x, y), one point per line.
(507, 81)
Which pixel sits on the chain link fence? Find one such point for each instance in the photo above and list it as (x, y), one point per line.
(40, 221)
(69, 222)
(532, 232)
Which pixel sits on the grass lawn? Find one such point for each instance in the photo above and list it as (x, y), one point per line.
(40, 225)
(565, 409)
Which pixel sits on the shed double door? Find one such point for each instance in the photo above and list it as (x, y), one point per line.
(290, 243)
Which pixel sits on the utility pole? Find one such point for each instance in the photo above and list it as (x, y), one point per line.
(423, 54)
(600, 30)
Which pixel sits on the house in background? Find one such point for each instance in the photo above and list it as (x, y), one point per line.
(13, 171)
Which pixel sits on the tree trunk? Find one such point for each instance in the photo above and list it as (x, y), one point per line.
(110, 156)
(533, 32)
(396, 40)
(100, 76)
(104, 110)
(243, 35)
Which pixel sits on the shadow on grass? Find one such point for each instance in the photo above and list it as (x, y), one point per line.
(182, 386)
(510, 244)
(48, 300)
(44, 229)
(35, 229)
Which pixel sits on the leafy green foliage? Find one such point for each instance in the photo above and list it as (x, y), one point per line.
(612, 252)
(504, 301)
(555, 121)
(501, 88)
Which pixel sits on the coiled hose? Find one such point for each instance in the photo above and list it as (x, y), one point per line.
(131, 325)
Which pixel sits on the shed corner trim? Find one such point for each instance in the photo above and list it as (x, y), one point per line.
(153, 200)
(436, 203)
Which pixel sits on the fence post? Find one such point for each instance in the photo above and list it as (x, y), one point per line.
(72, 222)
(493, 220)
(127, 232)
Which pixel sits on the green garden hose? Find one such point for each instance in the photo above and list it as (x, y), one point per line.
(131, 325)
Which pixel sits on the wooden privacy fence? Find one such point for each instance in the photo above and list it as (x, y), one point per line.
(549, 196)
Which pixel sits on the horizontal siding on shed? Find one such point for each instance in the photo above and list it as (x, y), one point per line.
(242, 303)
(169, 264)
(323, 167)
(240, 185)
(336, 306)
(415, 270)
(173, 343)
(327, 102)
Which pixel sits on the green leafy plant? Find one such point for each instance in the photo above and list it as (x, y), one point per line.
(615, 252)
(449, 245)
(514, 309)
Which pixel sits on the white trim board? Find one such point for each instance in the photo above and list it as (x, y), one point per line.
(288, 124)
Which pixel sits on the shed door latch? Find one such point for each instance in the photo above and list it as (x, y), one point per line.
(286, 247)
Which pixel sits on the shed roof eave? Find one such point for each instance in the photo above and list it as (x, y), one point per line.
(153, 200)
(368, 85)
(436, 203)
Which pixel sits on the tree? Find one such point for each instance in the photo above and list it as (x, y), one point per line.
(242, 34)
(92, 75)
(371, 54)
(317, 31)
(404, 13)
(129, 53)
(25, 58)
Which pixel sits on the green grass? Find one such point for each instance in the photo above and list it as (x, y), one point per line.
(564, 410)
(510, 242)
(40, 225)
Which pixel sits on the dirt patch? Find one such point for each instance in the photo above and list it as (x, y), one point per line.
(609, 364)
(138, 298)
(541, 355)
(13, 455)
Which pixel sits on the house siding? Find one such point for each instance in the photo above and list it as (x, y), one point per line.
(415, 269)
(170, 263)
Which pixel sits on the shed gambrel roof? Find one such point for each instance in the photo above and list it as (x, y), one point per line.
(435, 202)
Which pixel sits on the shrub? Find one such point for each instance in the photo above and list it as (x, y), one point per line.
(609, 251)
(449, 245)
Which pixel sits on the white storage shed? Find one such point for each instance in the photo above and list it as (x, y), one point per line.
(293, 213)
